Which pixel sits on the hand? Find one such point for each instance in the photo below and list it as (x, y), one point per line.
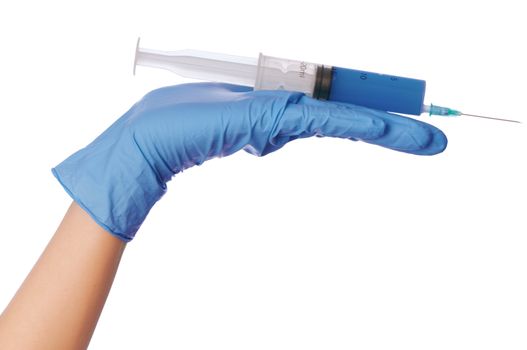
(120, 175)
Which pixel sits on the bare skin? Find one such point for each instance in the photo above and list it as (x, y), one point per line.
(59, 303)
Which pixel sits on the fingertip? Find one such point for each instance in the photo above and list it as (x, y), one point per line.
(438, 143)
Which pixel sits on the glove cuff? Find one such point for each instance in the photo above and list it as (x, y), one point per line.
(113, 183)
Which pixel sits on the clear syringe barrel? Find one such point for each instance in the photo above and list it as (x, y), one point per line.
(264, 73)
(276, 73)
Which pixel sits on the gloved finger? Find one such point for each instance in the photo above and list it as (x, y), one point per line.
(401, 133)
(303, 121)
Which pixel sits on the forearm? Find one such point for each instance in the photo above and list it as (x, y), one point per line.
(59, 303)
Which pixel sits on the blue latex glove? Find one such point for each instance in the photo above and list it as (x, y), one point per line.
(120, 175)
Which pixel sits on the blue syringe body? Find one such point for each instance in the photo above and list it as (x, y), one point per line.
(378, 91)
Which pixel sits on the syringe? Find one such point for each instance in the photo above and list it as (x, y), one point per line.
(373, 90)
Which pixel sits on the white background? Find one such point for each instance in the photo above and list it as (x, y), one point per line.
(325, 244)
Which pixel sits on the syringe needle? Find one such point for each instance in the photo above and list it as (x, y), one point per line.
(449, 112)
(500, 119)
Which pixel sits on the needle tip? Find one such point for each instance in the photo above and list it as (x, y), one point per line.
(500, 119)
